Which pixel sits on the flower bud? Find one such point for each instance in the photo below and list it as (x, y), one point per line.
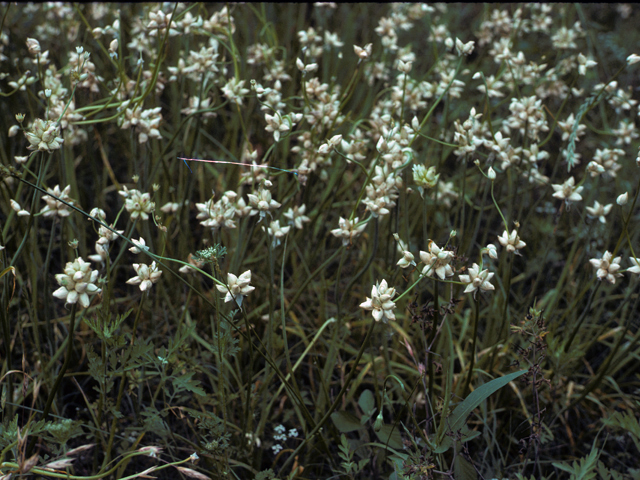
(13, 130)
(633, 58)
(623, 199)
(33, 45)
(404, 67)
(491, 174)
(377, 425)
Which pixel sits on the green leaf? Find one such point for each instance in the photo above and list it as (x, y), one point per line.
(367, 402)
(186, 383)
(463, 470)
(265, 475)
(390, 436)
(345, 422)
(459, 416)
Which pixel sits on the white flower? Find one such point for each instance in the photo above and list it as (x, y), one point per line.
(44, 135)
(138, 204)
(437, 261)
(146, 275)
(511, 241)
(607, 268)
(237, 288)
(363, 53)
(636, 265)
(477, 279)
(623, 199)
(492, 251)
(599, 211)
(55, 206)
(633, 58)
(464, 48)
(567, 191)
(77, 283)
(262, 202)
(276, 231)
(296, 216)
(584, 63)
(16, 206)
(140, 245)
(380, 302)
(349, 229)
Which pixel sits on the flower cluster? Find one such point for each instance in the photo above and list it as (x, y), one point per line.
(146, 275)
(380, 302)
(77, 283)
(44, 135)
(237, 287)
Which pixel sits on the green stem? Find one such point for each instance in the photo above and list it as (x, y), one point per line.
(335, 403)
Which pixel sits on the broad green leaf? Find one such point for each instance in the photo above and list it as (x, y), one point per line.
(345, 422)
(367, 402)
(459, 416)
(390, 436)
(463, 470)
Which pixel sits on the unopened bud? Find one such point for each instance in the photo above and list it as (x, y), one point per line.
(623, 199)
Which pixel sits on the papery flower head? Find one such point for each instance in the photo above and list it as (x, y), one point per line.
(380, 302)
(349, 229)
(77, 283)
(44, 135)
(607, 268)
(237, 287)
(599, 211)
(568, 191)
(138, 204)
(146, 276)
(55, 207)
(437, 261)
(511, 241)
(425, 178)
(477, 279)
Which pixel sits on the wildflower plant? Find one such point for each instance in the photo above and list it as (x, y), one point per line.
(381, 225)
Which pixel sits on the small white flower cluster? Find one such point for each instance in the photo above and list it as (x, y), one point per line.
(55, 207)
(237, 287)
(281, 436)
(106, 236)
(77, 283)
(277, 232)
(44, 135)
(146, 122)
(218, 214)
(608, 268)
(278, 124)
(437, 261)
(138, 204)
(262, 202)
(382, 192)
(380, 302)
(605, 162)
(348, 230)
(146, 275)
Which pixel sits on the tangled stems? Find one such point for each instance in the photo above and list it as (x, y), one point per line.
(473, 347)
(64, 475)
(335, 403)
(63, 370)
(114, 422)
